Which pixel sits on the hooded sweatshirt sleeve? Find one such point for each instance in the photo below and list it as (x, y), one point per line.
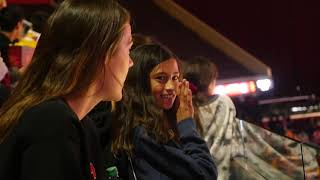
(190, 159)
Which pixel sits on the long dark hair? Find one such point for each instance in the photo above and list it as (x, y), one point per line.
(70, 54)
(200, 72)
(138, 106)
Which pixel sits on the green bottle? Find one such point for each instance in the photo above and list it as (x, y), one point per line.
(112, 173)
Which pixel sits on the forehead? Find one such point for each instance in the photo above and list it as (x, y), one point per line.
(169, 66)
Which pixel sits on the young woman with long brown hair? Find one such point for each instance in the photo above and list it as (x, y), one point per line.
(81, 59)
(157, 129)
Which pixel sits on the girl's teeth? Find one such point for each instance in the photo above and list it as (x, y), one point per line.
(167, 96)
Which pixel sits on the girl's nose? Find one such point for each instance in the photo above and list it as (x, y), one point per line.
(169, 85)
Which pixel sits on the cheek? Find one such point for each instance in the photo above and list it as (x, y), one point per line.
(176, 87)
(125, 62)
(156, 89)
(118, 65)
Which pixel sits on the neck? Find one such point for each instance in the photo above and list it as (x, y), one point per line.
(210, 92)
(211, 87)
(82, 103)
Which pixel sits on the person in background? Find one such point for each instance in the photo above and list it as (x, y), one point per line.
(3, 69)
(44, 131)
(316, 133)
(4, 91)
(241, 149)
(11, 30)
(38, 20)
(140, 39)
(3, 4)
(157, 138)
(214, 114)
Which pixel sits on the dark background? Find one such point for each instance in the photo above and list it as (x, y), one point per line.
(284, 34)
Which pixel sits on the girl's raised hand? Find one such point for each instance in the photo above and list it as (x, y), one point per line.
(184, 94)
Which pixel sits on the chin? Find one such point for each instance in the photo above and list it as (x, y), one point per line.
(167, 107)
(115, 97)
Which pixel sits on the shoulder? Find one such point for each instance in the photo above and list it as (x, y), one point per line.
(142, 135)
(50, 109)
(222, 104)
(49, 118)
(225, 101)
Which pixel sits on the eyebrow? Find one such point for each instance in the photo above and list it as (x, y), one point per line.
(163, 73)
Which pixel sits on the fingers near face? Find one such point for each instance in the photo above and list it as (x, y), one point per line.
(185, 97)
(184, 88)
(184, 91)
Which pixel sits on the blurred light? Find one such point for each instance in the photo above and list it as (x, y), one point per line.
(219, 90)
(245, 87)
(236, 88)
(252, 86)
(298, 109)
(294, 109)
(264, 84)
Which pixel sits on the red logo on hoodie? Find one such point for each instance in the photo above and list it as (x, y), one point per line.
(93, 171)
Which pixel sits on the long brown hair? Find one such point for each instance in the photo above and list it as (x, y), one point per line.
(69, 55)
(138, 106)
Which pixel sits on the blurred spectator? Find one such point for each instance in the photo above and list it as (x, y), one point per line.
(38, 20)
(3, 69)
(4, 92)
(139, 39)
(316, 133)
(302, 136)
(265, 122)
(3, 4)
(276, 125)
(288, 129)
(11, 23)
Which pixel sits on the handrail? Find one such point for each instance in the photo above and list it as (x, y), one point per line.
(295, 140)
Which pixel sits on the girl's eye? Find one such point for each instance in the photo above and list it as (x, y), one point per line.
(161, 78)
(175, 78)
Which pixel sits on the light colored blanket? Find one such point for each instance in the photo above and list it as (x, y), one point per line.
(245, 151)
